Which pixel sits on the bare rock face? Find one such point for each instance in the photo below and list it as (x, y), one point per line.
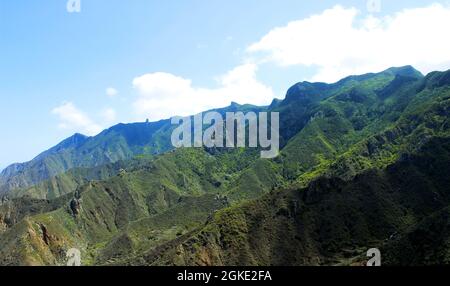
(45, 235)
(75, 207)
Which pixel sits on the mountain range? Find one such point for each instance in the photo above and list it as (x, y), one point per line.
(364, 163)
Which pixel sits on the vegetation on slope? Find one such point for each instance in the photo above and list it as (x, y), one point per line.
(363, 164)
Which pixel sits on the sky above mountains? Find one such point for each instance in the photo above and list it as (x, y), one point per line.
(124, 61)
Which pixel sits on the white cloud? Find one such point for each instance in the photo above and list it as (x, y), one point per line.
(111, 92)
(339, 43)
(72, 118)
(162, 95)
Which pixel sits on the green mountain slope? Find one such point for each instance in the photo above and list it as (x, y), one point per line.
(123, 141)
(332, 221)
(118, 143)
(363, 164)
(102, 208)
(351, 101)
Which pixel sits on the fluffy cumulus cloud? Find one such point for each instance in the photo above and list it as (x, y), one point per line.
(335, 43)
(340, 41)
(111, 92)
(163, 95)
(73, 119)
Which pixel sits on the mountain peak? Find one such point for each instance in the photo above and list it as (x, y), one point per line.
(405, 71)
(78, 136)
(306, 91)
(75, 141)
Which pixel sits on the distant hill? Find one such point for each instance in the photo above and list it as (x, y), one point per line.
(120, 142)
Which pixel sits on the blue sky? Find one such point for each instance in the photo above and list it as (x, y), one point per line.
(171, 57)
